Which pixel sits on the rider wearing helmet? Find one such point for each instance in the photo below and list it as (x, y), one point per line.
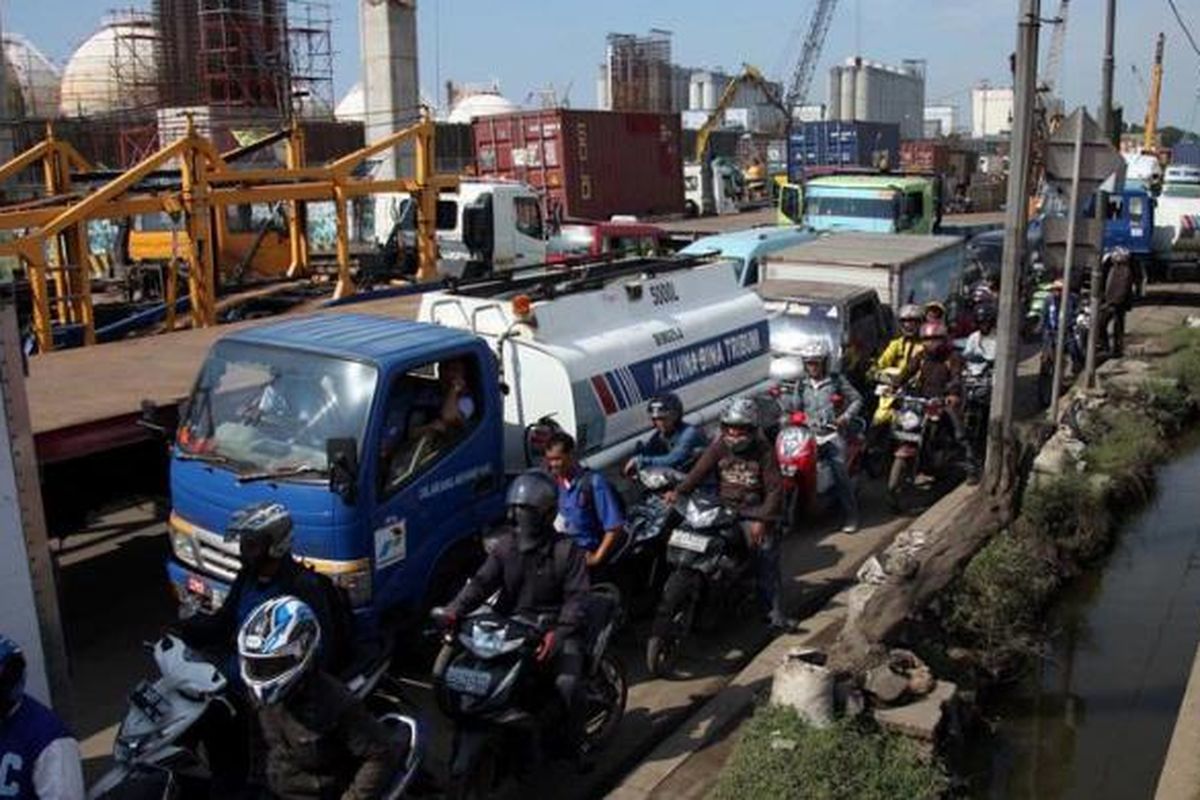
(536, 568)
(748, 482)
(320, 739)
(39, 758)
(263, 532)
(938, 373)
(674, 443)
(899, 353)
(981, 344)
(828, 399)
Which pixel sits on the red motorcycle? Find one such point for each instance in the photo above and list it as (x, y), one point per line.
(808, 479)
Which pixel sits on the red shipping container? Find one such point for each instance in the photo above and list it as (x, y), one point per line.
(587, 164)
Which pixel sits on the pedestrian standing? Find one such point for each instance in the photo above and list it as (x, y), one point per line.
(1118, 299)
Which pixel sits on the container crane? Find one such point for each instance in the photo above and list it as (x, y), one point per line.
(806, 66)
(1150, 133)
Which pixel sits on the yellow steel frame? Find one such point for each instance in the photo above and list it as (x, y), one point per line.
(54, 243)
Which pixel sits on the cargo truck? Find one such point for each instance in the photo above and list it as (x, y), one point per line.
(900, 268)
(316, 413)
(875, 203)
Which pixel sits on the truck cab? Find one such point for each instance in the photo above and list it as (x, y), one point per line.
(1129, 221)
(865, 203)
(486, 226)
(320, 414)
(747, 248)
(716, 190)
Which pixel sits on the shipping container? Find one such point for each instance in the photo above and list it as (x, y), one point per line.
(587, 164)
(955, 165)
(1186, 154)
(843, 144)
(762, 148)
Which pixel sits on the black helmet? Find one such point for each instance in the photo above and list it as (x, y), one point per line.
(532, 503)
(985, 313)
(666, 406)
(263, 522)
(12, 675)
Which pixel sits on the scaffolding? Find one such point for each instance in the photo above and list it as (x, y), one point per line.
(639, 72)
(310, 57)
(243, 54)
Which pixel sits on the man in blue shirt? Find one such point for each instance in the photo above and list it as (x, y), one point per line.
(589, 510)
(38, 756)
(674, 443)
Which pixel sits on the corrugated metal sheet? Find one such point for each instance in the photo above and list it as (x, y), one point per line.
(1187, 153)
(842, 144)
(588, 164)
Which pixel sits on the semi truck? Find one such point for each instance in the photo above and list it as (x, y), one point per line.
(320, 413)
(901, 268)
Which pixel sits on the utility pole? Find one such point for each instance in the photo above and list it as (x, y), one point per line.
(1064, 318)
(1106, 72)
(1009, 323)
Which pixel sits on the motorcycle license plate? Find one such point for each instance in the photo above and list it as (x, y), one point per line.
(475, 682)
(907, 437)
(688, 541)
(197, 586)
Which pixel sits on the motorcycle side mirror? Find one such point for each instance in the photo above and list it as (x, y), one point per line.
(342, 456)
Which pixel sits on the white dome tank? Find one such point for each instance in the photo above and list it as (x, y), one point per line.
(481, 105)
(114, 70)
(32, 76)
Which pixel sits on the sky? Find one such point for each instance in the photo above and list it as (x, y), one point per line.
(532, 44)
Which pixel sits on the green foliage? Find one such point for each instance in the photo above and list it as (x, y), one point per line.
(1066, 514)
(1184, 362)
(1130, 444)
(995, 603)
(779, 756)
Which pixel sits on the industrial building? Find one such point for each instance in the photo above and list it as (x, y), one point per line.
(940, 120)
(991, 111)
(638, 75)
(868, 91)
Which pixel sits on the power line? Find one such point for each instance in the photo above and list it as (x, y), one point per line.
(1183, 25)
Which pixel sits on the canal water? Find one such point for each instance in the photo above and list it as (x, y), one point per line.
(1094, 718)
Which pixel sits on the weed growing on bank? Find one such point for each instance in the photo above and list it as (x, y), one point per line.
(779, 756)
(1183, 364)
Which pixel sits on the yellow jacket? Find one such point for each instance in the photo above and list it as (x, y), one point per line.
(899, 353)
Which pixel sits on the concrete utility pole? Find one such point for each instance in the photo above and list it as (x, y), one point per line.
(1009, 322)
(1106, 72)
(1064, 318)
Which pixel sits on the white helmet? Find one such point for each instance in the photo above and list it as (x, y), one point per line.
(741, 412)
(815, 350)
(277, 644)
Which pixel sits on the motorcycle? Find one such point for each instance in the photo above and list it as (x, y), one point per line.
(157, 751)
(977, 397)
(1074, 350)
(487, 679)
(807, 478)
(710, 564)
(634, 572)
(917, 431)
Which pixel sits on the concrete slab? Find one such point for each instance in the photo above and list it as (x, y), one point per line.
(1180, 776)
(921, 718)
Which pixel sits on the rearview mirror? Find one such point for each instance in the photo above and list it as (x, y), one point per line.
(342, 457)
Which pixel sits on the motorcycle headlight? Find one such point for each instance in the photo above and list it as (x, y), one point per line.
(910, 420)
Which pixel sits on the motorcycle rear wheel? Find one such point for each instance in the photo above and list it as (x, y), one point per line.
(606, 693)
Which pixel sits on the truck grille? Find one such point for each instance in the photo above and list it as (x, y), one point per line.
(217, 556)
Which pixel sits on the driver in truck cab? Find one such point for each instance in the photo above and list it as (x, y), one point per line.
(674, 443)
(589, 510)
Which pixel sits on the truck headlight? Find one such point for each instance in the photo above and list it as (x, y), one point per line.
(183, 545)
(355, 583)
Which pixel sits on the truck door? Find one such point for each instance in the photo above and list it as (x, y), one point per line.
(529, 232)
(435, 470)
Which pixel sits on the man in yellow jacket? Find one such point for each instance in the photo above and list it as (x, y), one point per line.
(895, 358)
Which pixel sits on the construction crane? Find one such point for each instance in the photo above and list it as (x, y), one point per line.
(750, 76)
(1150, 132)
(810, 53)
(1052, 73)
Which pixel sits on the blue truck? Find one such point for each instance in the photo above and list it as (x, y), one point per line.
(319, 413)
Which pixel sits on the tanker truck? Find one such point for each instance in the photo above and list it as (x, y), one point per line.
(314, 412)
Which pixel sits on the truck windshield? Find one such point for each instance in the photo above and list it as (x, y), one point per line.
(269, 410)
(874, 207)
(796, 324)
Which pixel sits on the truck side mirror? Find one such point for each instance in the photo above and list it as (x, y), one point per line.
(342, 457)
(479, 233)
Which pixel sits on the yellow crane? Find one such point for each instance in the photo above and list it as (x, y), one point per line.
(1150, 132)
(751, 76)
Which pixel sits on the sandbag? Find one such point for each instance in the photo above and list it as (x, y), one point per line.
(803, 683)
